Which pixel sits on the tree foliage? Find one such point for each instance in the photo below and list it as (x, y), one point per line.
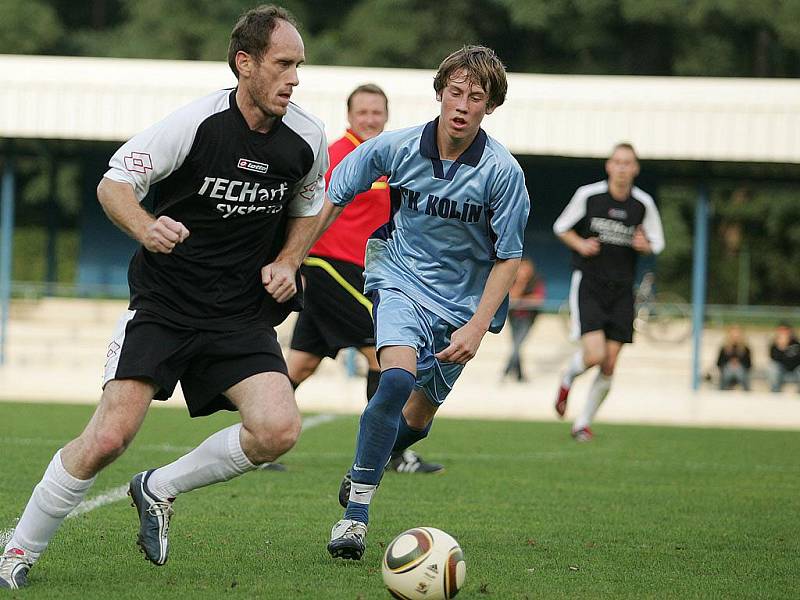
(638, 37)
(29, 27)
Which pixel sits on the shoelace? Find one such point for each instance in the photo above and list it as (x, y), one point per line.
(162, 509)
(355, 530)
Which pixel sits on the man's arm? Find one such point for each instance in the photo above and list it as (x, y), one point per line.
(302, 233)
(120, 204)
(465, 340)
(584, 246)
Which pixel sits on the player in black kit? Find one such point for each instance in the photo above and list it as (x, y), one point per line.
(240, 177)
(607, 225)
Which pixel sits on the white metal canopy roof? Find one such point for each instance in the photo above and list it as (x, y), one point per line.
(558, 115)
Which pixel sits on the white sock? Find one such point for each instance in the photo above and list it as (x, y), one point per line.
(219, 458)
(575, 367)
(52, 500)
(597, 393)
(362, 492)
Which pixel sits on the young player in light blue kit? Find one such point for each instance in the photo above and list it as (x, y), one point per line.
(439, 270)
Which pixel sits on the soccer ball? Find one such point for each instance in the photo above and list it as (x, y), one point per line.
(424, 564)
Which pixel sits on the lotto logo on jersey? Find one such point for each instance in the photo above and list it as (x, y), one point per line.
(251, 165)
(138, 162)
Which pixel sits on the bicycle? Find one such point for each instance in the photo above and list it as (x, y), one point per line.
(663, 316)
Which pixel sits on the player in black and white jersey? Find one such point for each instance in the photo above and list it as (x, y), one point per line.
(240, 177)
(607, 225)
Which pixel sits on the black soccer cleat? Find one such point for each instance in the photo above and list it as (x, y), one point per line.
(154, 518)
(344, 489)
(409, 461)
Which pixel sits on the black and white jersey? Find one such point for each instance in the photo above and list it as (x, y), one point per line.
(593, 212)
(234, 189)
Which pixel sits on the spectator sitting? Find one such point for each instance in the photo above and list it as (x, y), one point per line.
(784, 356)
(734, 361)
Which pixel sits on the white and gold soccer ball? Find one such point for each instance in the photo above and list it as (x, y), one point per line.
(424, 563)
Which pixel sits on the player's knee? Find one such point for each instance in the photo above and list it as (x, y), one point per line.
(107, 445)
(607, 368)
(393, 390)
(276, 437)
(593, 357)
(419, 422)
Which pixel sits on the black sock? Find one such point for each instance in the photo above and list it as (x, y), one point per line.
(373, 378)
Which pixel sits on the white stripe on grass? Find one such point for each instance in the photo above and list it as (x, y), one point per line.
(118, 493)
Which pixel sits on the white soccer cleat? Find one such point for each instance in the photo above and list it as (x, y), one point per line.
(14, 566)
(348, 539)
(584, 434)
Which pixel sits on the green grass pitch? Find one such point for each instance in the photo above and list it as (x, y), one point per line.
(641, 512)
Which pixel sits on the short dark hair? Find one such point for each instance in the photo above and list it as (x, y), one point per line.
(625, 146)
(253, 31)
(482, 67)
(367, 88)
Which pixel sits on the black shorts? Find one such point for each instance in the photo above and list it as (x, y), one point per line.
(146, 346)
(336, 314)
(601, 305)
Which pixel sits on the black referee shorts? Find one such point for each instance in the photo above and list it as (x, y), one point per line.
(146, 346)
(336, 314)
(601, 305)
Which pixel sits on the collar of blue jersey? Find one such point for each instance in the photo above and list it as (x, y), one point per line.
(471, 156)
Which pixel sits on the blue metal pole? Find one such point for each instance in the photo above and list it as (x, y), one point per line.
(6, 236)
(699, 271)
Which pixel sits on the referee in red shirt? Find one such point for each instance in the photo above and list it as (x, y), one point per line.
(337, 314)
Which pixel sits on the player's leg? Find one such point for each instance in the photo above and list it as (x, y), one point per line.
(270, 425)
(415, 424)
(301, 366)
(587, 317)
(581, 428)
(617, 330)
(308, 346)
(373, 369)
(240, 370)
(376, 436)
(590, 353)
(435, 380)
(71, 473)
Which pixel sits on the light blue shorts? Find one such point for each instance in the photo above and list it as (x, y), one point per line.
(400, 321)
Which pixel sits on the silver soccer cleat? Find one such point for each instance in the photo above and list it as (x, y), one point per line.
(348, 539)
(14, 567)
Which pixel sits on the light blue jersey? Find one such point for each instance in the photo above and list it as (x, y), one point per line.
(450, 219)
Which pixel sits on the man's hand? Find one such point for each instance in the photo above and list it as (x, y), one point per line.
(464, 344)
(163, 234)
(589, 247)
(640, 243)
(278, 280)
